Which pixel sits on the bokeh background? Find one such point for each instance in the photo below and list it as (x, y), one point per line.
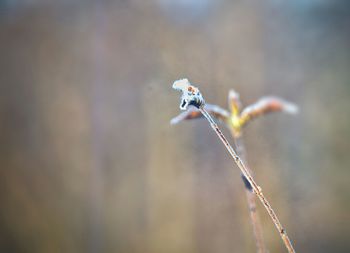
(90, 163)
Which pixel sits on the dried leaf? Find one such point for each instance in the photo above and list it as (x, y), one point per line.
(266, 105)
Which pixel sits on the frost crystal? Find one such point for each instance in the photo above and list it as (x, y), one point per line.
(190, 94)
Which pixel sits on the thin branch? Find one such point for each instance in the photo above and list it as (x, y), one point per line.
(256, 188)
(192, 96)
(254, 217)
(219, 113)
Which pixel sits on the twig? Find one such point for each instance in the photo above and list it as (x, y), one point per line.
(192, 96)
(225, 116)
(256, 188)
(235, 105)
(254, 217)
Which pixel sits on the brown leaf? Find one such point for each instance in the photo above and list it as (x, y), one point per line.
(266, 105)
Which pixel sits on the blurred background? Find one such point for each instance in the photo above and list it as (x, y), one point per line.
(90, 163)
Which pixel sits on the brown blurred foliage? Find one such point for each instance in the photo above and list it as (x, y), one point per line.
(90, 163)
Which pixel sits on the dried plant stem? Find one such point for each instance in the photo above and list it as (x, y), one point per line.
(257, 189)
(254, 217)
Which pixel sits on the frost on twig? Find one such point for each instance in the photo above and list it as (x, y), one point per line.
(192, 96)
